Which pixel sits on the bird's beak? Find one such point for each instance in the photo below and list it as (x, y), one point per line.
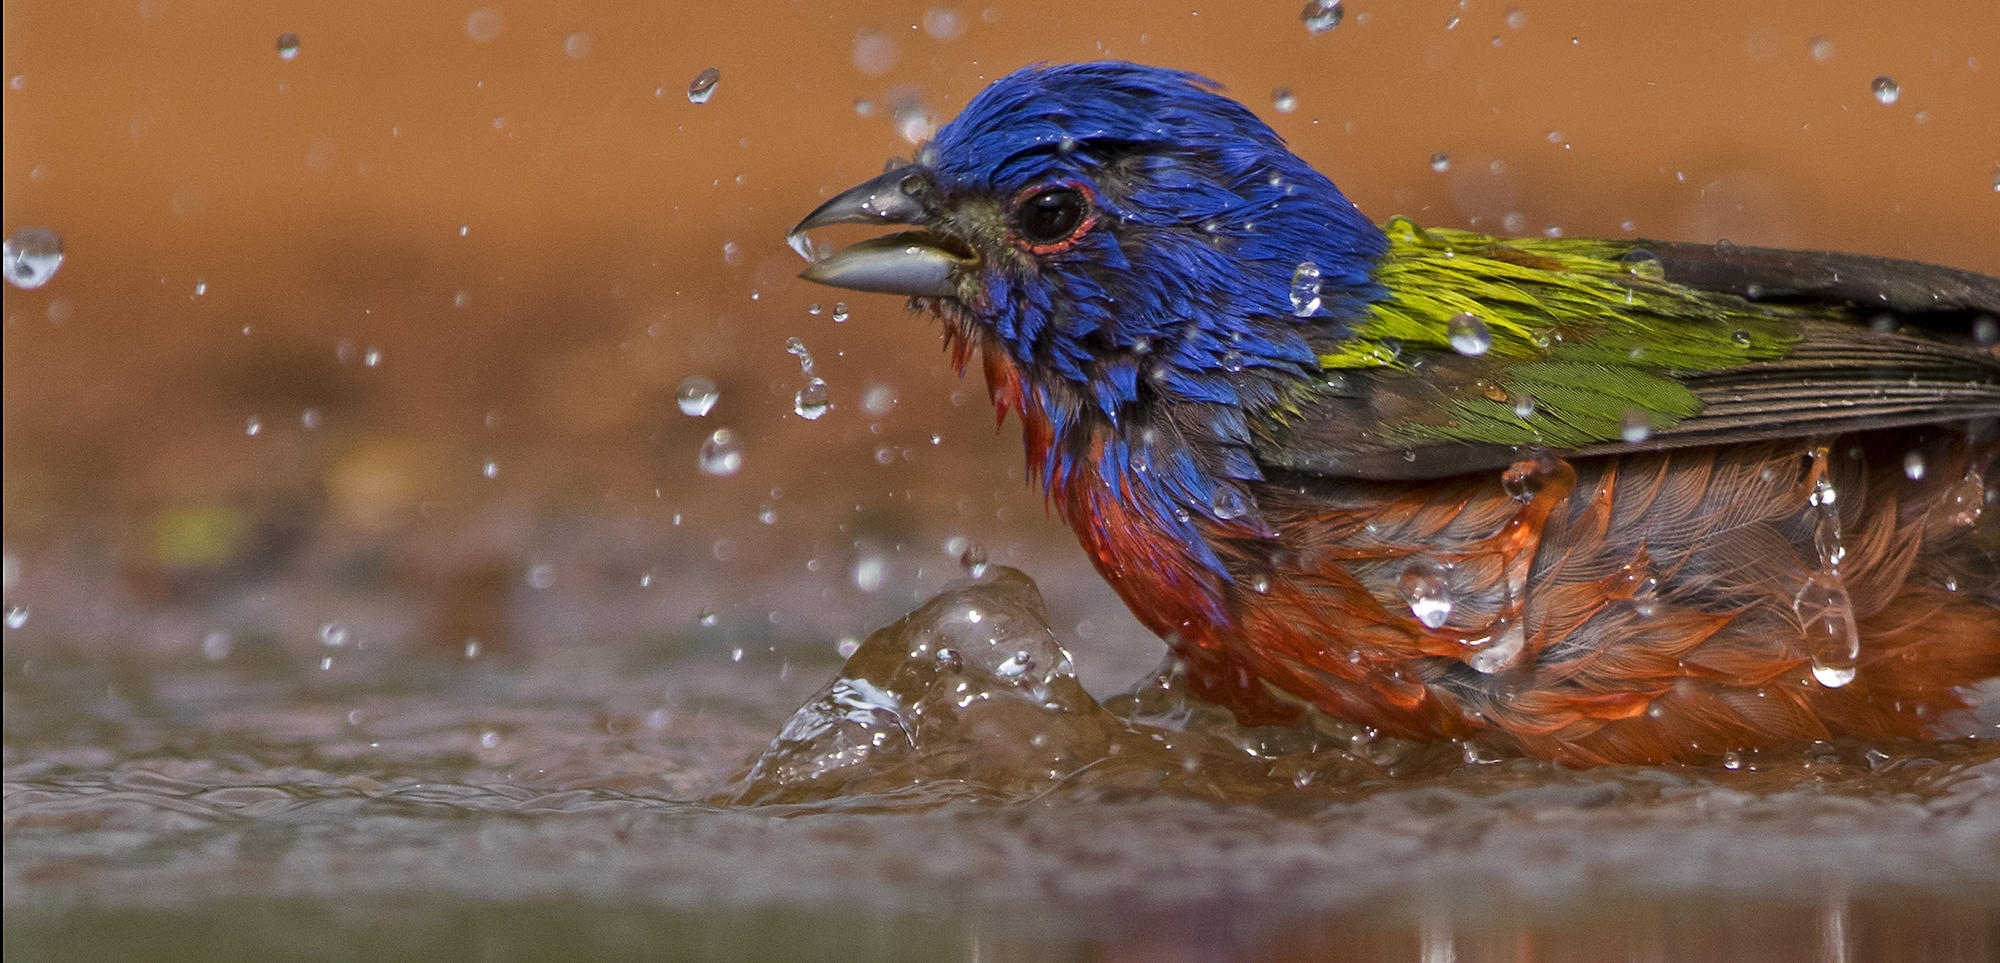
(916, 263)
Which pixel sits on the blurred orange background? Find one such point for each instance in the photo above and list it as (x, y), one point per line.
(447, 236)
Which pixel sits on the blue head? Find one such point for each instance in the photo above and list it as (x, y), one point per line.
(1123, 230)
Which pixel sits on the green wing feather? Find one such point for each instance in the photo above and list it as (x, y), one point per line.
(1596, 346)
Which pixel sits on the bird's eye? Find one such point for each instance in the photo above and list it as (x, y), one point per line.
(1051, 215)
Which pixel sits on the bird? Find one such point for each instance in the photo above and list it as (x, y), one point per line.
(1590, 501)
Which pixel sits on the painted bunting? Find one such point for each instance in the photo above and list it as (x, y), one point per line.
(1589, 500)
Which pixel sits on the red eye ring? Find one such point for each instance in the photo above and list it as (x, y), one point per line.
(1085, 221)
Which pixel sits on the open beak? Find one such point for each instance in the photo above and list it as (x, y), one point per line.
(915, 263)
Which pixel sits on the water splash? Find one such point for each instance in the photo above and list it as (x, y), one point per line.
(1825, 612)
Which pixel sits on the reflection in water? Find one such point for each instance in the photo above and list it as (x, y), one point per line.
(953, 790)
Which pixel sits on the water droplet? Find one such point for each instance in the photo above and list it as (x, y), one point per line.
(797, 349)
(1500, 649)
(1228, 502)
(1965, 500)
(1886, 89)
(1826, 616)
(17, 616)
(288, 46)
(869, 572)
(253, 425)
(944, 24)
(1468, 334)
(334, 634)
(811, 401)
(707, 619)
(767, 513)
(1822, 49)
(31, 256)
(1524, 405)
(1732, 761)
(697, 396)
(541, 576)
(1440, 162)
(215, 646)
(1426, 587)
(576, 46)
(703, 85)
(484, 25)
(839, 312)
(1643, 263)
(1913, 465)
(1283, 101)
(878, 399)
(1305, 290)
(973, 559)
(1636, 426)
(1516, 18)
(721, 455)
(200, 288)
(1321, 16)
(471, 649)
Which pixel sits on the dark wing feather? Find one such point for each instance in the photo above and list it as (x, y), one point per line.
(1883, 343)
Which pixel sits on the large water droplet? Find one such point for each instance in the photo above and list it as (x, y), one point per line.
(288, 46)
(703, 85)
(31, 256)
(1426, 587)
(811, 401)
(1283, 101)
(1321, 16)
(697, 396)
(721, 454)
(1826, 616)
(1440, 162)
(1886, 89)
(1468, 334)
(1524, 405)
(1305, 289)
(17, 616)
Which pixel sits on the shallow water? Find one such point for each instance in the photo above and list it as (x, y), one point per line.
(386, 333)
(951, 792)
